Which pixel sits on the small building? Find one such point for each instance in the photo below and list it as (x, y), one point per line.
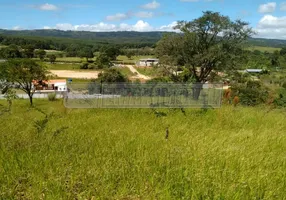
(148, 62)
(58, 85)
(254, 71)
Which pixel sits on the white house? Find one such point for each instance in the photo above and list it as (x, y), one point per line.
(148, 62)
(58, 85)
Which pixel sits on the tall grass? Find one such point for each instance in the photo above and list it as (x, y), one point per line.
(228, 153)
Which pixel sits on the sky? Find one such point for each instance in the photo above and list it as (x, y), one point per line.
(267, 18)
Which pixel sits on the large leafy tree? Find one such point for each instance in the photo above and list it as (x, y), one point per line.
(22, 72)
(210, 42)
(112, 75)
(111, 51)
(40, 54)
(10, 52)
(86, 52)
(103, 61)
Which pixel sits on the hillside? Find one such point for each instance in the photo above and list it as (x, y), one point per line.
(123, 37)
(123, 154)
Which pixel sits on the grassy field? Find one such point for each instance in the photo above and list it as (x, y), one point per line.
(2, 46)
(227, 153)
(133, 59)
(55, 52)
(263, 49)
(150, 71)
(125, 71)
(63, 66)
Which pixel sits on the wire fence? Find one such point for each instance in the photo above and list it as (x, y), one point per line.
(139, 95)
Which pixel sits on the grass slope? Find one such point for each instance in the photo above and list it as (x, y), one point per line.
(228, 153)
(263, 49)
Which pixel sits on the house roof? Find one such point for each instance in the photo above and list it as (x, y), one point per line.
(254, 70)
(149, 59)
(54, 81)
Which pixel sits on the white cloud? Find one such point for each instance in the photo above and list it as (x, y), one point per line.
(17, 28)
(47, 27)
(267, 8)
(140, 26)
(152, 5)
(117, 17)
(49, 7)
(45, 7)
(169, 27)
(283, 6)
(140, 14)
(144, 14)
(271, 27)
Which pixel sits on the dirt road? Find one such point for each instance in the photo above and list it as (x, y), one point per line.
(138, 75)
(75, 74)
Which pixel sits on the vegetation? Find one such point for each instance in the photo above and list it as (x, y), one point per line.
(211, 42)
(112, 75)
(83, 154)
(148, 71)
(21, 73)
(50, 152)
(52, 96)
(57, 66)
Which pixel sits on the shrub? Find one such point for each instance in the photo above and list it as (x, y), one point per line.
(92, 66)
(280, 101)
(251, 94)
(52, 96)
(84, 66)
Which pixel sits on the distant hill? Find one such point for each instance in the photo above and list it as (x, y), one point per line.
(114, 37)
(121, 37)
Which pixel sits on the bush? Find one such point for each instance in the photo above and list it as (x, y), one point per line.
(92, 66)
(52, 96)
(251, 94)
(84, 66)
(280, 101)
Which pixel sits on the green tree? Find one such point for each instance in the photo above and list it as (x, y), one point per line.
(103, 61)
(129, 54)
(40, 54)
(111, 51)
(29, 51)
(283, 51)
(86, 53)
(275, 59)
(10, 52)
(23, 72)
(10, 95)
(211, 42)
(52, 58)
(112, 76)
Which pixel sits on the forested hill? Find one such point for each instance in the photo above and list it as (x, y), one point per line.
(126, 38)
(121, 37)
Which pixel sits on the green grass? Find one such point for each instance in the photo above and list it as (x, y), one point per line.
(2, 46)
(148, 71)
(63, 66)
(125, 71)
(227, 153)
(77, 80)
(263, 49)
(55, 52)
(133, 59)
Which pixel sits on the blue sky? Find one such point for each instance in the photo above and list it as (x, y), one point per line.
(268, 18)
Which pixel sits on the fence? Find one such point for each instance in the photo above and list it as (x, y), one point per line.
(36, 96)
(138, 95)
